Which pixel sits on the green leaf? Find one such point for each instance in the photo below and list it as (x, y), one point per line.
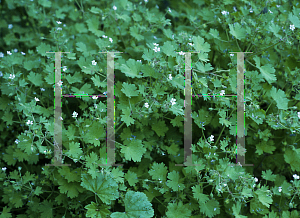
(38, 191)
(46, 209)
(203, 67)
(97, 81)
(45, 3)
(268, 72)
(93, 26)
(43, 48)
(35, 78)
(136, 205)
(69, 188)
(264, 197)
(280, 98)
(178, 210)
(22, 83)
(197, 193)
(134, 31)
(129, 90)
(160, 128)
(132, 68)
(76, 78)
(267, 175)
(292, 157)
(6, 213)
(131, 177)
(8, 117)
(126, 117)
(214, 33)
(105, 188)
(82, 48)
(275, 29)
(85, 89)
(236, 210)
(95, 10)
(294, 19)
(237, 31)
(75, 151)
(210, 208)
(133, 151)
(177, 121)
(158, 171)
(168, 49)
(174, 182)
(94, 210)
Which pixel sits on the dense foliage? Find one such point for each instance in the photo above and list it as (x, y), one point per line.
(149, 108)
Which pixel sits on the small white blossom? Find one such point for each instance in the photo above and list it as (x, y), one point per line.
(61, 118)
(256, 179)
(65, 25)
(292, 27)
(11, 76)
(15, 50)
(8, 52)
(156, 49)
(211, 138)
(42, 89)
(74, 114)
(29, 122)
(299, 115)
(58, 22)
(190, 44)
(111, 40)
(23, 53)
(4, 168)
(170, 76)
(94, 62)
(64, 68)
(19, 168)
(139, 61)
(60, 83)
(296, 176)
(36, 99)
(277, 6)
(271, 12)
(173, 101)
(169, 10)
(181, 53)
(224, 12)
(231, 54)
(222, 92)
(114, 7)
(1, 55)
(155, 44)
(17, 141)
(104, 93)
(146, 0)
(10, 26)
(279, 189)
(146, 105)
(154, 37)
(104, 36)
(59, 28)
(95, 97)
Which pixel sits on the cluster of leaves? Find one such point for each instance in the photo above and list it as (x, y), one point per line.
(149, 139)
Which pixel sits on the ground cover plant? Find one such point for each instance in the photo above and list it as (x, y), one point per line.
(149, 108)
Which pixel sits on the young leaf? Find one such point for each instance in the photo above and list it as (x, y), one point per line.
(178, 210)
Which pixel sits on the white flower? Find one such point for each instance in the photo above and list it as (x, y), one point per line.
(114, 7)
(74, 114)
(17, 141)
(256, 179)
(4, 168)
(22, 53)
(211, 138)
(104, 93)
(10, 26)
(299, 115)
(296, 176)
(29, 122)
(104, 36)
(277, 6)
(222, 92)
(11, 76)
(190, 44)
(61, 118)
(65, 25)
(60, 83)
(64, 68)
(169, 10)
(279, 189)
(8, 52)
(95, 97)
(15, 50)
(58, 22)
(156, 49)
(231, 54)
(1, 74)
(155, 44)
(111, 40)
(224, 12)
(292, 27)
(146, 105)
(170, 76)
(139, 61)
(19, 168)
(42, 89)
(94, 62)
(146, 0)
(181, 53)
(173, 101)
(59, 28)
(154, 37)
(1, 55)
(35, 98)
